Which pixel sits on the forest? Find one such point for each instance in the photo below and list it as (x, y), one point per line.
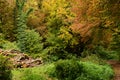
(59, 39)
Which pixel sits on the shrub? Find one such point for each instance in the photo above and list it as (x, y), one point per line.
(29, 75)
(92, 58)
(10, 45)
(5, 69)
(29, 41)
(43, 72)
(105, 54)
(1, 40)
(60, 47)
(68, 70)
(74, 70)
(92, 71)
(4, 44)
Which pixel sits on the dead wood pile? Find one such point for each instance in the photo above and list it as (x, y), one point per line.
(20, 60)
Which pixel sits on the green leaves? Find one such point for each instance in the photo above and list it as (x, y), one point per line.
(21, 15)
(5, 68)
(30, 42)
(74, 70)
(67, 69)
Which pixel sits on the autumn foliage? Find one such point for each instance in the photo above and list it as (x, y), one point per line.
(78, 24)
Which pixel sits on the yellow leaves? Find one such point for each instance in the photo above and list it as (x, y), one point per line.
(32, 3)
(61, 11)
(49, 5)
(109, 23)
(57, 8)
(67, 36)
(95, 3)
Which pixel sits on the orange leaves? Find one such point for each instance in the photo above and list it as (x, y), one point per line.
(91, 15)
(84, 29)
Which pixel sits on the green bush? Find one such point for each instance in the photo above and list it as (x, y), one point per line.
(29, 41)
(105, 54)
(74, 70)
(5, 69)
(68, 70)
(29, 75)
(92, 58)
(4, 44)
(92, 71)
(43, 72)
(1, 40)
(58, 48)
(10, 45)
(65, 70)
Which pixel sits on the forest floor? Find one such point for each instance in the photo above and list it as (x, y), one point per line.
(116, 68)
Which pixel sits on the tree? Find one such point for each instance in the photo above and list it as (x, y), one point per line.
(93, 22)
(60, 40)
(21, 16)
(28, 40)
(7, 20)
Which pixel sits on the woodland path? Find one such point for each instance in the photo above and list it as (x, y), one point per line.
(116, 68)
